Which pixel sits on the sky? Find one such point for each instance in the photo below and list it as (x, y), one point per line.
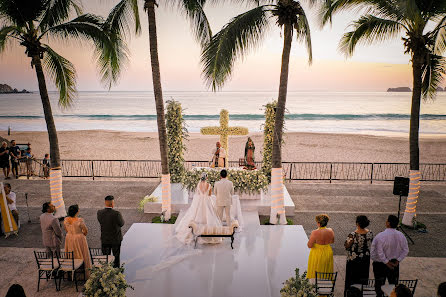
(372, 68)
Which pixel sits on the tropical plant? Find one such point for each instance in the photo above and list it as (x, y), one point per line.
(233, 42)
(422, 23)
(30, 23)
(127, 11)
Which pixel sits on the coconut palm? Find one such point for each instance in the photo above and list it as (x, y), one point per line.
(30, 23)
(422, 23)
(233, 42)
(193, 10)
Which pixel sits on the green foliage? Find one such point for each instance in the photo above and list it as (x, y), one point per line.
(265, 221)
(245, 181)
(298, 286)
(268, 132)
(157, 220)
(106, 281)
(176, 133)
(146, 199)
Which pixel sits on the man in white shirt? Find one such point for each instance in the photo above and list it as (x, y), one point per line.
(11, 198)
(389, 248)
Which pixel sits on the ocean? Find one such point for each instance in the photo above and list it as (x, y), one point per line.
(373, 113)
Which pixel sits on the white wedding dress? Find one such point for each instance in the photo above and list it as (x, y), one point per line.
(202, 211)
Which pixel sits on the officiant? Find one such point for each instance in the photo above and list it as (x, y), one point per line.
(218, 156)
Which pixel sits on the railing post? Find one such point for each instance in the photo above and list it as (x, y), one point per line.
(371, 175)
(92, 169)
(291, 171)
(331, 171)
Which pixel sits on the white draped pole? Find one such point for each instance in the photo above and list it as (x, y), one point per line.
(412, 199)
(166, 196)
(277, 197)
(56, 192)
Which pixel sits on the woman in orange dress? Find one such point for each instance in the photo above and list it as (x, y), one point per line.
(76, 240)
(321, 254)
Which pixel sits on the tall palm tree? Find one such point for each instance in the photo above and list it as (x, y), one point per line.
(193, 9)
(30, 23)
(423, 23)
(233, 42)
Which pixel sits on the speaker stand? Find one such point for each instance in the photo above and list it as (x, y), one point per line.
(400, 226)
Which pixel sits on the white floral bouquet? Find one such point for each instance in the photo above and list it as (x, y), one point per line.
(146, 199)
(298, 286)
(106, 281)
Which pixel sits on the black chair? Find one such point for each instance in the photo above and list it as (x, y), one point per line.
(70, 265)
(98, 258)
(368, 287)
(325, 283)
(411, 284)
(48, 266)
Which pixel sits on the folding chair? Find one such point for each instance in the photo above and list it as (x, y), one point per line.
(47, 266)
(325, 283)
(98, 258)
(411, 284)
(70, 265)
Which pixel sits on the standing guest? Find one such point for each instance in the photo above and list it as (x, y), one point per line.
(16, 290)
(14, 151)
(4, 159)
(11, 198)
(111, 222)
(442, 290)
(51, 231)
(76, 240)
(389, 248)
(321, 254)
(46, 165)
(358, 245)
(29, 157)
(353, 292)
(401, 291)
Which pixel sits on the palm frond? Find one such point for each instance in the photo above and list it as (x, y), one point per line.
(124, 16)
(440, 37)
(6, 33)
(241, 34)
(193, 9)
(367, 30)
(63, 74)
(21, 12)
(303, 33)
(433, 75)
(58, 11)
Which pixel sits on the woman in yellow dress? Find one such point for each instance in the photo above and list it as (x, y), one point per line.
(321, 254)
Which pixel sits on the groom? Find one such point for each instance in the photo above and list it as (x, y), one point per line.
(224, 189)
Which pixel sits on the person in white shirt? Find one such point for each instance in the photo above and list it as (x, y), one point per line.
(389, 248)
(11, 198)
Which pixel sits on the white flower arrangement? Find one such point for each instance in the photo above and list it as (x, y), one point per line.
(106, 281)
(298, 286)
(245, 181)
(268, 132)
(146, 199)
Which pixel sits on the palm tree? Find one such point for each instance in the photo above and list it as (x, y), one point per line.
(193, 9)
(32, 22)
(423, 23)
(233, 41)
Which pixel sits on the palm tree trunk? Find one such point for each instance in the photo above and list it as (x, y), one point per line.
(156, 79)
(56, 172)
(415, 174)
(277, 192)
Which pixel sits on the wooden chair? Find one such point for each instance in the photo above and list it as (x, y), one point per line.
(411, 284)
(368, 288)
(98, 258)
(70, 265)
(47, 266)
(325, 283)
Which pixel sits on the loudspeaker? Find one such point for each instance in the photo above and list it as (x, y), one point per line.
(401, 186)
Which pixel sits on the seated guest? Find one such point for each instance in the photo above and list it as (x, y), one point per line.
(11, 199)
(16, 290)
(358, 245)
(321, 254)
(442, 290)
(389, 248)
(76, 240)
(51, 231)
(401, 291)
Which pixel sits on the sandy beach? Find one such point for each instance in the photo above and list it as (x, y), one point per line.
(304, 147)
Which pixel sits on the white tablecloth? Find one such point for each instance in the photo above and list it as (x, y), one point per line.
(236, 211)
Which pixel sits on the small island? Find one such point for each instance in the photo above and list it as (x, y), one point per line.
(6, 89)
(399, 89)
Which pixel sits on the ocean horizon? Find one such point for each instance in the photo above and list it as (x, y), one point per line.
(373, 113)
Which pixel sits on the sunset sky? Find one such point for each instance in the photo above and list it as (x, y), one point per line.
(372, 68)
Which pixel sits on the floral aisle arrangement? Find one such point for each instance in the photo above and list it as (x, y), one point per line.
(106, 281)
(298, 286)
(245, 181)
(268, 132)
(176, 133)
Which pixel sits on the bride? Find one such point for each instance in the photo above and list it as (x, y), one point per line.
(202, 211)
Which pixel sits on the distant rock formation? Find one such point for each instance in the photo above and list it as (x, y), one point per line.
(399, 89)
(5, 89)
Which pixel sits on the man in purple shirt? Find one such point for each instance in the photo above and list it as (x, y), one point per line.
(389, 248)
